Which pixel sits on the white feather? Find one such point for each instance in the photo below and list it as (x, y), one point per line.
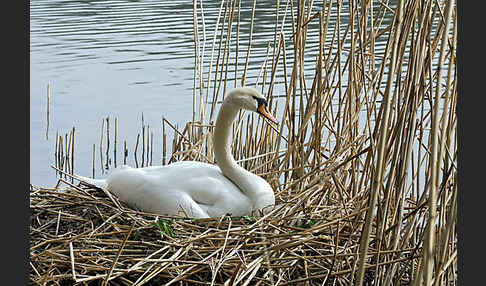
(196, 189)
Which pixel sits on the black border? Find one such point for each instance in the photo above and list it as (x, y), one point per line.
(15, 139)
(470, 114)
(460, 142)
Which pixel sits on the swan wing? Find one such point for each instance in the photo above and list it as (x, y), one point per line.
(189, 188)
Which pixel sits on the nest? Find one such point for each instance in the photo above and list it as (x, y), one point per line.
(80, 234)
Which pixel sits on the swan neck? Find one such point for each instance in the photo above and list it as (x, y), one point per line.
(222, 144)
(222, 151)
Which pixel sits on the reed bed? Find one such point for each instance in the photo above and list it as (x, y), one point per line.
(363, 162)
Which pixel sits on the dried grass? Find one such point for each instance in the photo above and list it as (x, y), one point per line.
(80, 234)
(354, 169)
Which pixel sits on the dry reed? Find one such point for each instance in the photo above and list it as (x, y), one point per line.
(363, 163)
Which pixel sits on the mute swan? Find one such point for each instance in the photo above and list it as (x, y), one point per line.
(201, 190)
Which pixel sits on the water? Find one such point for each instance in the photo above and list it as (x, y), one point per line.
(119, 59)
(105, 58)
(124, 58)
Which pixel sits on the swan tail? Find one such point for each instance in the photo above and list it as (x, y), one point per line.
(99, 183)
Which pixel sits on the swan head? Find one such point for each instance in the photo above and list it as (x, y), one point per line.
(250, 99)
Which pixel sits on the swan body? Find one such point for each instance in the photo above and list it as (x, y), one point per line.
(196, 189)
(186, 188)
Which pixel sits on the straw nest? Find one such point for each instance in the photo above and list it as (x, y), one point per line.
(317, 234)
(80, 234)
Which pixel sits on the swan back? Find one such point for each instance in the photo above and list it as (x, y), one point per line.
(186, 188)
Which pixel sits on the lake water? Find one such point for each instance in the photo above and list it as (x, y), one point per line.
(124, 58)
(120, 59)
(105, 58)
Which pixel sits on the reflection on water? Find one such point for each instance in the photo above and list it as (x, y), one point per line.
(124, 58)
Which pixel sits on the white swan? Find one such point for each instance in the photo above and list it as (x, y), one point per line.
(197, 189)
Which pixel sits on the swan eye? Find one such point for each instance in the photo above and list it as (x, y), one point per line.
(260, 100)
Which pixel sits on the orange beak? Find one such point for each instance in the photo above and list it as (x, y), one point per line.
(263, 111)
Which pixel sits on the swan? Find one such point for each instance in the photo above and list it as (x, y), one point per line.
(196, 189)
